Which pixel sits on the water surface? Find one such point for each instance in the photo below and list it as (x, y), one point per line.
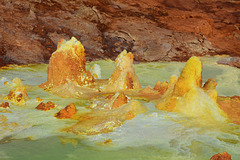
(153, 135)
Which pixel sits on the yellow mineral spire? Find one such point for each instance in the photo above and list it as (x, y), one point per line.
(124, 76)
(190, 77)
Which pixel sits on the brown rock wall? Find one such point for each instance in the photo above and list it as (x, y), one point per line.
(152, 30)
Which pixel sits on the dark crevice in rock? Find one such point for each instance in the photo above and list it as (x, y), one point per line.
(112, 46)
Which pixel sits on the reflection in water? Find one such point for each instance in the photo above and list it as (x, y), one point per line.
(27, 133)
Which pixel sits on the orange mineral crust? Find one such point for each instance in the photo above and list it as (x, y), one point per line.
(161, 87)
(107, 114)
(231, 106)
(121, 100)
(69, 111)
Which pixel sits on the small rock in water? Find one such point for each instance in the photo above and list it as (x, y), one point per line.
(45, 106)
(221, 156)
(4, 105)
(69, 111)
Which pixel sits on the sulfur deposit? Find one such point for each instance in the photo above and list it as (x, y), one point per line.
(123, 77)
(107, 114)
(67, 64)
(186, 94)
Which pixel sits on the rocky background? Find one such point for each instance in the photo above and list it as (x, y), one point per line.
(152, 30)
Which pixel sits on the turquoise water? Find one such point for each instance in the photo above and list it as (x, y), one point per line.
(153, 135)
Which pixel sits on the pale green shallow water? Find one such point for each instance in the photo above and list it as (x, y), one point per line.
(153, 135)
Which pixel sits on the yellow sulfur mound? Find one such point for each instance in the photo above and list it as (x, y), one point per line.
(186, 94)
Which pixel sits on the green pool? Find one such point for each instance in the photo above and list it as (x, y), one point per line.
(153, 135)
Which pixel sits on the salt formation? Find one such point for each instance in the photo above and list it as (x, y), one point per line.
(68, 112)
(187, 96)
(67, 64)
(96, 71)
(107, 114)
(18, 94)
(6, 126)
(123, 77)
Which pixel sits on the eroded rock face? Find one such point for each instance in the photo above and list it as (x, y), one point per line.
(231, 61)
(221, 156)
(152, 30)
(123, 77)
(107, 114)
(67, 64)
